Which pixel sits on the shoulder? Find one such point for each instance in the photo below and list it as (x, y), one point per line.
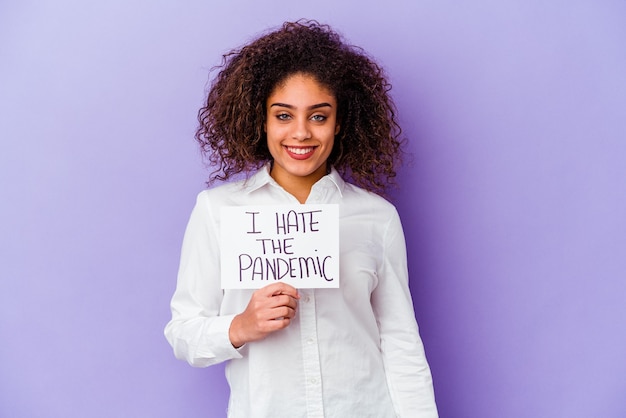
(223, 191)
(237, 192)
(370, 218)
(210, 201)
(365, 207)
(354, 195)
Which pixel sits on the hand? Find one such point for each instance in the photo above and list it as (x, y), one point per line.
(270, 309)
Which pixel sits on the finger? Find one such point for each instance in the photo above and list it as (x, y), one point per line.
(291, 313)
(286, 312)
(281, 288)
(282, 300)
(281, 323)
(283, 313)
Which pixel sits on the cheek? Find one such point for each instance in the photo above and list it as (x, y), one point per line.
(273, 137)
(331, 133)
(274, 129)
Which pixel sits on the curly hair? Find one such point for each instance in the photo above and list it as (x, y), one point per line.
(368, 146)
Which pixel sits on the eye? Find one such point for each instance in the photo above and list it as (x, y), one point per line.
(283, 116)
(318, 118)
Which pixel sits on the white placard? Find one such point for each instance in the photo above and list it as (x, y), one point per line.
(295, 244)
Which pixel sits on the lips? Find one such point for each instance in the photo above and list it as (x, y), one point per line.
(300, 153)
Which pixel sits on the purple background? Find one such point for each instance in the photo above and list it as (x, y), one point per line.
(514, 203)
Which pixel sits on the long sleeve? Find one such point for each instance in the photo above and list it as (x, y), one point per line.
(197, 332)
(408, 374)
(349, 351)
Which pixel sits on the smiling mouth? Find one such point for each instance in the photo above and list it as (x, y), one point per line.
(300, 150)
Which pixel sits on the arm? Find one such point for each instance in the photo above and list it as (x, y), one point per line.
(198, 332)
(408, 373)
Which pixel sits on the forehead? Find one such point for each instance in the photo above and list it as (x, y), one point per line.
(301, 86)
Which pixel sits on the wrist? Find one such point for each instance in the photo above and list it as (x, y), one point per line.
(233, 333)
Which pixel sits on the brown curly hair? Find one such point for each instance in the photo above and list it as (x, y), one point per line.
(368, 146)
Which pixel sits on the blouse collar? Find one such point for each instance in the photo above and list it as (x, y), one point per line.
(262, 178)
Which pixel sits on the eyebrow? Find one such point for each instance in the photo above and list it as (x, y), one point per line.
(288, 106)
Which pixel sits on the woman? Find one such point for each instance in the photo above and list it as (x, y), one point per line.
(297, 110)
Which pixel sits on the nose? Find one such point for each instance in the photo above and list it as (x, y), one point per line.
(301, 130)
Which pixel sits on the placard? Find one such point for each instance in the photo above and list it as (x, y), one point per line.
(295, 244)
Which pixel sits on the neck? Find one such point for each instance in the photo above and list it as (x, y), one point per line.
(297, 186)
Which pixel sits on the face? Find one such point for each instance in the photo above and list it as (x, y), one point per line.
(301, 124)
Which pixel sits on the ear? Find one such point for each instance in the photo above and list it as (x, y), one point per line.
(337, 128)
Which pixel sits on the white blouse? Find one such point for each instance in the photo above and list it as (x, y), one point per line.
(349, 352)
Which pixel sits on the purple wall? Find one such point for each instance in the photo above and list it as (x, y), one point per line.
(514, 202)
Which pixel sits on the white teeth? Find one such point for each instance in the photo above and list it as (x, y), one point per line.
(299, 151)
